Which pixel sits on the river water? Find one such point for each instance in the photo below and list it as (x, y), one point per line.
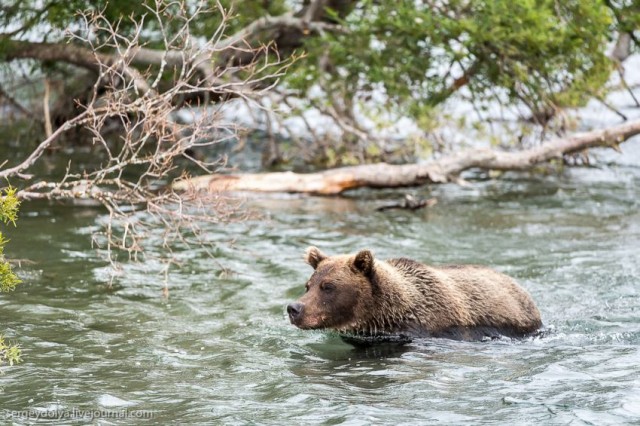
(219, 349)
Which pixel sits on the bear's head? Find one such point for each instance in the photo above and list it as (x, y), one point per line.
(338, 294)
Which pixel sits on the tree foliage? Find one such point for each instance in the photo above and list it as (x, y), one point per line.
(8, 279)
(541, 52)
(8, 214)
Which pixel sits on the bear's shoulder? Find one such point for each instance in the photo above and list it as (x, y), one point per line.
(412, 269)
(404, 263)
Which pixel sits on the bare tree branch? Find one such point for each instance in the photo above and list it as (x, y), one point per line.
(129, 179)
(37, 153)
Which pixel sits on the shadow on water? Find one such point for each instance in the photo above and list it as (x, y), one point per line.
(336, 348)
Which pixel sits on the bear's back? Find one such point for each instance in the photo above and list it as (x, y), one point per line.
(476, 298)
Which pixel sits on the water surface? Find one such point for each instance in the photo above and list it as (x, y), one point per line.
(220, 349)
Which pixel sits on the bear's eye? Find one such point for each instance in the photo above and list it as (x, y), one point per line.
(327, 287)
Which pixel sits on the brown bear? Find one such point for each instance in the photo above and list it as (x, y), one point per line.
(357, 295)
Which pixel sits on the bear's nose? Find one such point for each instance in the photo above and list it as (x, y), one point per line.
(294, 310)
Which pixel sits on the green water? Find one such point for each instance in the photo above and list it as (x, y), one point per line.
(220, 350)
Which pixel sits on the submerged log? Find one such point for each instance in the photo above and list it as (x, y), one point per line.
(382, 175)
(409, 202)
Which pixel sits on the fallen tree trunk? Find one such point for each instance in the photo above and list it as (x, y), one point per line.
(382, 175)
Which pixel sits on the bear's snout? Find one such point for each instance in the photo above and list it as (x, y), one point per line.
(295, 311)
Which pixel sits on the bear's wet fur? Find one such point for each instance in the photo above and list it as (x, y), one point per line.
(360, 296)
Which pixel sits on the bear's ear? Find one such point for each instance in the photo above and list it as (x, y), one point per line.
(363, 262)
(313, 256)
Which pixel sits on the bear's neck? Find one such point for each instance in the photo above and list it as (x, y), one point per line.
(391, 308)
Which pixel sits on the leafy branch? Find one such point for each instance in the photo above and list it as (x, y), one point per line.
(8, 279)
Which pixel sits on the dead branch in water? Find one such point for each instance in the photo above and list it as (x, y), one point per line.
(382, 175)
